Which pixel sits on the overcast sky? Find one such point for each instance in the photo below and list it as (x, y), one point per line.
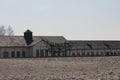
(74, 19)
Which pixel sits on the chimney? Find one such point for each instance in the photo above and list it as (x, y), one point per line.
(28, 37)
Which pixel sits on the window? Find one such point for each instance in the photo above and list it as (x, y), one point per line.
(83, 53)
(115, 53)
(78, 53)
(5, 54)
(41, 52)
(92, 53)
(107, 53)
(88, 53)
(73, 53)
(18, 53)
(37, 52)
(97, 53)
(23, 53)
(112, 54)
(119, 53)
(46, 52)
(12, 54)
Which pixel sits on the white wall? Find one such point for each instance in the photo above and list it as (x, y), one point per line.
(10, 49)
(93, 52)
(39, 46)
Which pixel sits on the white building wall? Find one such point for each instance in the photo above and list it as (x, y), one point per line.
(101, 52)
(40, 46)
(15, 50)
(31, 52)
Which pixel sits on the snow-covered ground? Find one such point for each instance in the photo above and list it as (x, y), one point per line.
(67, 68)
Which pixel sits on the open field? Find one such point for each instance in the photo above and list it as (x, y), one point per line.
(69, 68)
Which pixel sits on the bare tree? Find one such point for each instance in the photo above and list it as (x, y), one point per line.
(2, 30)
(9, 31)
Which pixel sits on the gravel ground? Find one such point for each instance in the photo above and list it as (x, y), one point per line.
(69, 68)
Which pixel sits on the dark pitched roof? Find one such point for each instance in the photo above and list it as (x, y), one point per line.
(18, 41)
(94, 44)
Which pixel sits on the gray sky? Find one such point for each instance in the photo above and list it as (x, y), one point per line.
(74, 19)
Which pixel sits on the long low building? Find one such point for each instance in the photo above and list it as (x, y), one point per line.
(95, 48)
(54, 46)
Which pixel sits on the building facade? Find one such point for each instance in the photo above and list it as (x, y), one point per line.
(54, 46)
